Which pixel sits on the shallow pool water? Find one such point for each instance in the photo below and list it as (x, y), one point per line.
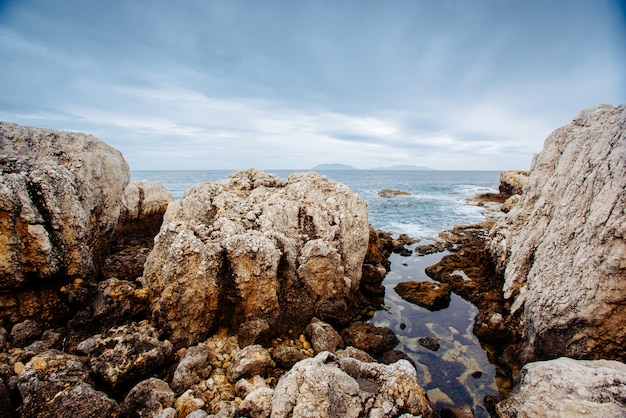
(458, 373)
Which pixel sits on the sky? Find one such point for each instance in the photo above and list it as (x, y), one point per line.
(284, 84)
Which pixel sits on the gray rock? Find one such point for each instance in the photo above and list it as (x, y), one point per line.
(147, 398)
(166, 413)
(255, 247)
(198, 413)
(243, 387)
(253, 332)
(258, 404)
(125, 354)
(331, 386)
(250, 361)
(323, 336)
(562, 249)
(286, 356)
(194, 367)
(568, 388)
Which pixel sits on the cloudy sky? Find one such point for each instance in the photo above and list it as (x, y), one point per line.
(283, 84)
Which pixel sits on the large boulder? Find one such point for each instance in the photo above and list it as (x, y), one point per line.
(332, 386)
(254, 247)
(568, 388)
(60, 199)
(562, 249)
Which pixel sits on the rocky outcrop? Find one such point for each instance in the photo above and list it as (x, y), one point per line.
(562, 249)
(512, 182)
(432, 296)
(345, 387)
(255, 247)
(568, 388)
(60, 199)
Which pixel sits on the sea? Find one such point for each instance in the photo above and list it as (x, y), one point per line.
(459, 372)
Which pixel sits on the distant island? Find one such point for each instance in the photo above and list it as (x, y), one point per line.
(335, 166)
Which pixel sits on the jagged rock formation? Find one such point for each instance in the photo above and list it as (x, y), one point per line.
(512, 182)
(254, 247)
(60, 199)
(568, 388)
(562, 249)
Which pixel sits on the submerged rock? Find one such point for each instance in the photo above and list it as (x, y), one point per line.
(568, 388)
(432, 296)
(562, 249)
(255, 247)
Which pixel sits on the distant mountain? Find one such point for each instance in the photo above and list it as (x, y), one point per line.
(403, 167)
(334, 167)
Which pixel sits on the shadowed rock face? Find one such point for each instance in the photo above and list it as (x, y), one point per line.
(254, 247)
(562, 249)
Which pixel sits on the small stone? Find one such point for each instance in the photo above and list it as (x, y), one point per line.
(477, 374)
(430, 343)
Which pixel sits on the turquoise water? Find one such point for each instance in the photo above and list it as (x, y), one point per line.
(459, 373)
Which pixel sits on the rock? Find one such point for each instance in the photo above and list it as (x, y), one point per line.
(187, 403)
(118, 302)
(568, 388)
(126, 354)
(562, 249)
(250, 361)
(512, 182)
(369, 338)
(356, 353)
(6, 407)
(392, 356)
(258, 404)
(432, 296)
(464, 411)
(254, 247)
(392, 193)
(510, 203)
(323, 336)
(148, 398)
(198, 413)
(60, 199)
(25, 333)
(253, 332)
(430, 343)
(54, 383)
(245, 386)
(286, 356)
(194, 366)
(166, 413)
(345, 387)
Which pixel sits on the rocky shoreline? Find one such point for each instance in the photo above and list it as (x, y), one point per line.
(240, 298)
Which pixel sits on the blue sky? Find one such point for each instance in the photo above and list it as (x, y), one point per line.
(228, 84)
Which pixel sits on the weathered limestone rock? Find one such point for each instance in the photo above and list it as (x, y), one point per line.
(60, 199)
(370, 338)
(144, 205)
(258, 404)
(285, 356)
(255, 247)
(562, 249)
(251, 361)
(125, 354)
(512, 182)
(432, 296)
(194, 367)
(331, 386)
(568, 388)
(323, 336)
(53, 383)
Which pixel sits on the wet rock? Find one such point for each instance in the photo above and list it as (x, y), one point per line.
(53, 383)
(464, 411)
(561, 249)
(255, 247)
(60, 197)
(125, 354)
(369, 338)
(253, 332)
(430, 343)
(286, 356)
(323, 336)
(392, 193)
(250, 361)
(24, 333)
(432, 296)
(567, 387)
(356, 354)
(258, 404)
(194, 366)
(392, 356)
(147, 398)
(337, 387)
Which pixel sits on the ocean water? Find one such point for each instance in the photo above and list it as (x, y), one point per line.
(459, 373)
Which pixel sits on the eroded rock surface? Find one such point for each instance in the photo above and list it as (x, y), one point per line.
(255, 247)
(568, 388)
(432, 296)
(332, 386)
(562, 249)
